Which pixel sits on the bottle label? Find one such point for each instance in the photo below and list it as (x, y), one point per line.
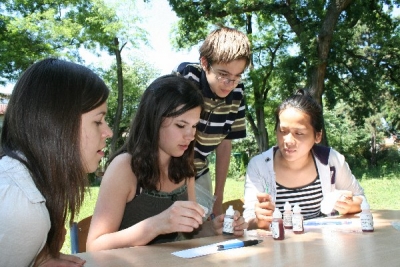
(297, 224)
(367, 221)
(228, 225)
(275, 230)
(287, 219)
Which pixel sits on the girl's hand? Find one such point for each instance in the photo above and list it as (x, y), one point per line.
(182, 216)
(239, 224)
(263, 210)
(44, 259)
(344, 202)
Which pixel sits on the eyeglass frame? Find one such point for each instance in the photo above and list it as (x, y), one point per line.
(225, 81)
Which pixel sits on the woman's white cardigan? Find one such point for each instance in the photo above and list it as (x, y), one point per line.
(333, 170)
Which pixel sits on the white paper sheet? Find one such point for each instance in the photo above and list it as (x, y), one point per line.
(202, 251)
(324, 222)
(396, 225)
(335, 225)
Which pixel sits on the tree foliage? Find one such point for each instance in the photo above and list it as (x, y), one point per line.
(32, 30)
(137, 76)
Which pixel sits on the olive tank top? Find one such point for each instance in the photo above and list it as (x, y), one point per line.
(148, 203)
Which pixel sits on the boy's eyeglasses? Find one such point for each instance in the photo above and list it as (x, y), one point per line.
(224, 80)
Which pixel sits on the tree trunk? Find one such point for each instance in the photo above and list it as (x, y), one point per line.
(324, 39)
(262, 132)
(259, 129)
(260, 93)
(118, 113)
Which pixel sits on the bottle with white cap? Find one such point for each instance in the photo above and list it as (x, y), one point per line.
(366, 218)
(277, 230)
(287, 216)
(228, 221)
(297, 220)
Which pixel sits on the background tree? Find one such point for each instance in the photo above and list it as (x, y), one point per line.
(137, 76)
(32, 30)
(114, 27)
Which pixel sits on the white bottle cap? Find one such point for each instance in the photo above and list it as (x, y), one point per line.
(277, 214)
(296, 208)
(287, 206)
(364, 205)
(230, 211)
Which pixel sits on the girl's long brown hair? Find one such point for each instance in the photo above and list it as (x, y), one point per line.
(42, 130)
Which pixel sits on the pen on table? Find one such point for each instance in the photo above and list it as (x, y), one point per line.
(239, 244)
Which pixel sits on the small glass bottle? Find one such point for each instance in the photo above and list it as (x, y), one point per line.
(297, 220)
(277, 230)
(287, 216)
(228, 221)
(366, 218)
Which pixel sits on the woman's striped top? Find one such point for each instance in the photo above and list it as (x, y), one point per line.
(308, 197)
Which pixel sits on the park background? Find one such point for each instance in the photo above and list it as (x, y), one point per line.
(345, 52)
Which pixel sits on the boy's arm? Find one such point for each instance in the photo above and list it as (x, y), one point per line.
(223, 156)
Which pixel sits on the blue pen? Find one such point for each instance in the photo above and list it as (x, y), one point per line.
(239, 244)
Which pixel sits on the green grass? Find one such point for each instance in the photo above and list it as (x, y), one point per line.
(86, 210)
(382, 193)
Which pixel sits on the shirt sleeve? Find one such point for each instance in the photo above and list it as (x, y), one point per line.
(254, 184)
(24, 226)
(345, 179)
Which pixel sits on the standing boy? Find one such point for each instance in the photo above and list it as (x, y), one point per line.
(224, 56)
